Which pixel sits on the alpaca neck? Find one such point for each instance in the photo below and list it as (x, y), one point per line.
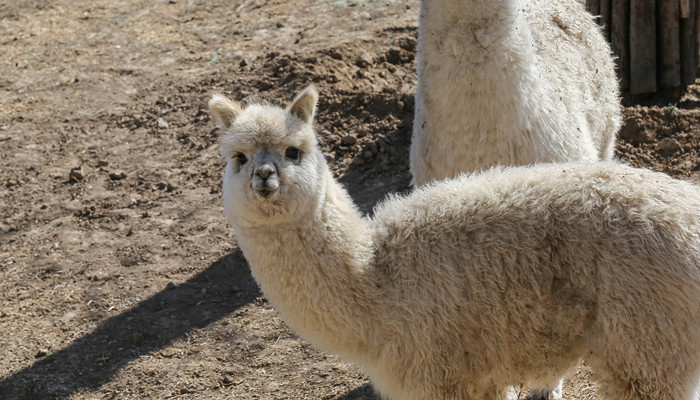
(477, 16)
(479, 35)
(477, 71)
(317, 274)
(482, 44)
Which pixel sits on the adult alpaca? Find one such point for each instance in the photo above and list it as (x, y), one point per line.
(508, 82)
(456, 291)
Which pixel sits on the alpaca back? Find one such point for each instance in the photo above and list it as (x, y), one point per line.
(508, 265)
(595, 207)
(523, 84)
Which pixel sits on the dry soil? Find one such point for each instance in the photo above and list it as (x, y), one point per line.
(119, 276)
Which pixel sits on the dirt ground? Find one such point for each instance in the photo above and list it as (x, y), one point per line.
(119, 276)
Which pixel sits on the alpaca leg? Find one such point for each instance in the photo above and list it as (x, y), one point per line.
(554, 393)
(496, 392)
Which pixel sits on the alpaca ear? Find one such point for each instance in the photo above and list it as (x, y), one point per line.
(224, 111)
(304, 105)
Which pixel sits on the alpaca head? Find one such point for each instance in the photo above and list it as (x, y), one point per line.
(275, 172)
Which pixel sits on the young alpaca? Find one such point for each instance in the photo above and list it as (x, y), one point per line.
(470, 285)
(509, 82)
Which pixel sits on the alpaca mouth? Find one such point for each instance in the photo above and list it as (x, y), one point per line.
(265, 188)
(265, 192)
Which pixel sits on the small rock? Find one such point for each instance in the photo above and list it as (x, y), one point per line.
(163, 124)
(625, 147)
(669, 145)
(117, 175)
(363, 60)
(332, 78)
(636, 133)
(283, 62)
(335, 54)
(348, 140)
(393, 56)
(76, 174)
(408, 43)
(3, 128)
(170, 286)
(167, 186)
(138, 338)
(357, 161)
(367, 154)
(364, 15)
(685, 165)
(41, 353)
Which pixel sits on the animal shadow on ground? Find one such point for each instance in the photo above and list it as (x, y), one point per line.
(364, 392)
(153, 324)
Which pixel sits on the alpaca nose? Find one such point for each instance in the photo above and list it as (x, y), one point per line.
(265, 170)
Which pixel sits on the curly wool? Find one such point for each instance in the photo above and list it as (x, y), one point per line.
(510, 82)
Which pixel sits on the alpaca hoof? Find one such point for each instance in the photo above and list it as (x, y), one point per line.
(543, 394)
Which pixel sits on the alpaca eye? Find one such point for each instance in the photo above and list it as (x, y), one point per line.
(292, 153)
(242, 159)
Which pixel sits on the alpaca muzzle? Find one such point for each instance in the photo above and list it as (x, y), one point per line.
(265, 180)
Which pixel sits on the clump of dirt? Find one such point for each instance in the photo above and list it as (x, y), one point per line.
(663, 138)
(119, 276)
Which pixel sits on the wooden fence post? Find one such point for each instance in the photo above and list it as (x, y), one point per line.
(606, 17)
(593, 7)
(655, 42)
(619, 40)
(688, 45)
(643, 46)
(669, 44)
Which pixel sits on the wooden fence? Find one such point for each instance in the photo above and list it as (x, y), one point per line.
(655, 42)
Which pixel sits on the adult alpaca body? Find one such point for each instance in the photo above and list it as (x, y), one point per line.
(510, 82)
(457, 290)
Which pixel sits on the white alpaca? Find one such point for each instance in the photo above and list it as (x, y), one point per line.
(510, 82)
(505, 82)
(470, 285)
